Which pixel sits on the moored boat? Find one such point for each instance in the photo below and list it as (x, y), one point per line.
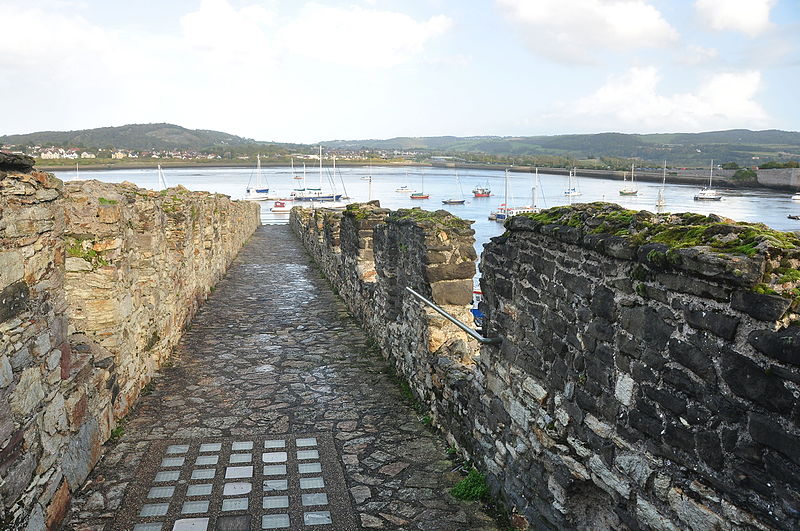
(708, 193)
(280, 206)
(629, 188)
(482, 191)
(258, 192)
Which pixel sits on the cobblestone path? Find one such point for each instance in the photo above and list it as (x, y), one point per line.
(273, 359)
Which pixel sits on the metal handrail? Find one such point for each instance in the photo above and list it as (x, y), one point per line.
(462, 326)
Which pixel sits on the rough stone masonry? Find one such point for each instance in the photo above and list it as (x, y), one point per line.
(649, 375)
(96, 284)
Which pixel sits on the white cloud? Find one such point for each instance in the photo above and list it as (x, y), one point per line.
(694, 55)
(576, 31)
(750, 17)
(631, 102)
(226, 34)
(360, 37)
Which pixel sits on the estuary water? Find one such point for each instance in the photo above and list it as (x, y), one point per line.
(769, 207)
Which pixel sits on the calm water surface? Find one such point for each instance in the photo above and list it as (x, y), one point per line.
(766, 207)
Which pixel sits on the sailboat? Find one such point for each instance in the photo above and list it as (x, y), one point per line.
(708, 193)
(572, 189)
(661, 201)
(421, 194)
(505, 211)
(295, 176)
(258, 192)
(452, 201)
(162, 181)
(629, 188)
(314, 194)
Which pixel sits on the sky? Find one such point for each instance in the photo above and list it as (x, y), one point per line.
(304, 71)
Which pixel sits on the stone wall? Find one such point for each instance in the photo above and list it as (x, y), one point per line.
(786, 178)
(649, 374)
(98, 281)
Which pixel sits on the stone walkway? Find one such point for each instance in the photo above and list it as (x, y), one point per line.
(274, 359)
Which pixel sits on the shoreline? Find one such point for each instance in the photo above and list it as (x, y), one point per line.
(645, 176)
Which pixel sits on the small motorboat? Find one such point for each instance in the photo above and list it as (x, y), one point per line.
(454, 201)
(796, 197)
(797, 217)
(404, 190)
(419, 195)
(280, 206)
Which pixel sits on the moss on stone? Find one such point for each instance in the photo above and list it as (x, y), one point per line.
(724, 238)
(104, 201)
(441, 218)
(82, 248)
(472, 487)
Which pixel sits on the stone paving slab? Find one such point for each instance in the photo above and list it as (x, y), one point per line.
(274, 353)
(240, 483)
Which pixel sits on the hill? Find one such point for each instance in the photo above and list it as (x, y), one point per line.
(736, 145)
(133, 136)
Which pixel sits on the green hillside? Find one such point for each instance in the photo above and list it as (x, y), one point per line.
(736, 145)
(134, 136)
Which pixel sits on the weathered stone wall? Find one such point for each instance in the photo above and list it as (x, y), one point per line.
(371, 254)
(97, 283)
(639, 385)
(651, 380)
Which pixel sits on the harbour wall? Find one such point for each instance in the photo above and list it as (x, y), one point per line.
(97, 282)
(641, 383)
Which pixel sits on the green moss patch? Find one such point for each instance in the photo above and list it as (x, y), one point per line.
(441, 218)
(712, 234)
(82, 248)
(472, 487)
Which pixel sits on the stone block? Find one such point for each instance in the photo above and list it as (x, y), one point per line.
(695, 515)
(635, 467)
(693, 358)
(75, 264)
(750, 381)
(717, 323)
(12, 268)
(81, 454)
(452, 292)
(623, 390)
(13, 300)
(783, 345)
(773, 435)
(760, 306)
(59, 505)
(29, 392)
(651, 517)
(644, 323)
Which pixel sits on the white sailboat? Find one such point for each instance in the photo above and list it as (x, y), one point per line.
(258, 192)
(708, 193)
(661, 201)
(572, 188)
(453, 201)
(505, 211)
(629, 188)
(162, 181)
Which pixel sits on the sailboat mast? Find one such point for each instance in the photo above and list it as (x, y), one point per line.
(506, 190)
(292, 167)
(320, 167)
(711, 175)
